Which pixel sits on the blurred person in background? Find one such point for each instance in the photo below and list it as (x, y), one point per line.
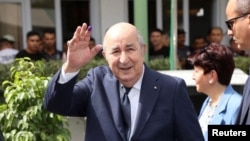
(33, 40)
(156, 48)
(11, 39)
(49, 49)
(215, 35)
(165, 39)
(183, 51)
(198, 42)
(7, 52)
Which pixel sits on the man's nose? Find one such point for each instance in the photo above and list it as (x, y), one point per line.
(229, 32)
(124, 57)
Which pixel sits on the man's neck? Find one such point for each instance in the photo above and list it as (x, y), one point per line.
(49, 50)
(158, 47)
(30, 51)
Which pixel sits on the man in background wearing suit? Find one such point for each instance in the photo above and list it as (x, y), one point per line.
(159, 105)
(238, 15)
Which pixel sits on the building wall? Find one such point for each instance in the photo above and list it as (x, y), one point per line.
(103, 13)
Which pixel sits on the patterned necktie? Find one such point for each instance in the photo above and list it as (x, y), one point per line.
(125, 105)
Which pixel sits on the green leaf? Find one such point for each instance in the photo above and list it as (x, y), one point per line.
(22, 117)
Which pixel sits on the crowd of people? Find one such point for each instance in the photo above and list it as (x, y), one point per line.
(127, 101)
(159, 45)
(40, 46)
(43, 46)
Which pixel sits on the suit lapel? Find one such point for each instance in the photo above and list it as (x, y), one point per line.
(147, 100)
(246, 102)
(112, 91)
(218, 114)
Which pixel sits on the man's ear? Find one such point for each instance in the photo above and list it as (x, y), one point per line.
(144, 47)
(248, 20)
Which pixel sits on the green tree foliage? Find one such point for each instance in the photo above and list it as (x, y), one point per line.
(22, 116)
(243, 63)
(159, 64)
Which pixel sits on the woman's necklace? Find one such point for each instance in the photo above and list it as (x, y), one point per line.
(207, 115)
(210, 111)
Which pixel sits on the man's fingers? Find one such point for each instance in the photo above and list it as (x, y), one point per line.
(82, 33)
(87, 33)
(83, 29)
(68, 43)
(95, 50)
(89, 28)
(77, 31)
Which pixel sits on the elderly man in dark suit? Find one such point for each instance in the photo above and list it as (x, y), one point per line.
(157, 107)
(238, 15)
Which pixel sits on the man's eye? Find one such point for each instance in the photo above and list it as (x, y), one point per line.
(114, 52)
(130, 49)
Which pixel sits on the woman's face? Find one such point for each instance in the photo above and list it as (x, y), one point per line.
(201, 79)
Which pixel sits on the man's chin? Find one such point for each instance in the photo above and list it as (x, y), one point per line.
(126, 79)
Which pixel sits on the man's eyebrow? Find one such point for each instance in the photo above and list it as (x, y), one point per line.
(117, 47)
(114, 47)
(129, 45)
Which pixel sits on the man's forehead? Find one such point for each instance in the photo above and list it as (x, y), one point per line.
(121, 37)
(121, 25)
(120, 42)
(231, 7)
(34, 38)
(121, 28)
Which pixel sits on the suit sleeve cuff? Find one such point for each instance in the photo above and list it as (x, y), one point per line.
(65, 77)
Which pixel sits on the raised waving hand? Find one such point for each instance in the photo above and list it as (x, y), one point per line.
(79, 53)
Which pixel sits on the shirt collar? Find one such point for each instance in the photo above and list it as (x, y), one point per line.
(137, 85)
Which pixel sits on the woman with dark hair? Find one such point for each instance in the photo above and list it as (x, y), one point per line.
(213, 69)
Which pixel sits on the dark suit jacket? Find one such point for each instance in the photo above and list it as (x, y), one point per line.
(165, 111)
(244, 113)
